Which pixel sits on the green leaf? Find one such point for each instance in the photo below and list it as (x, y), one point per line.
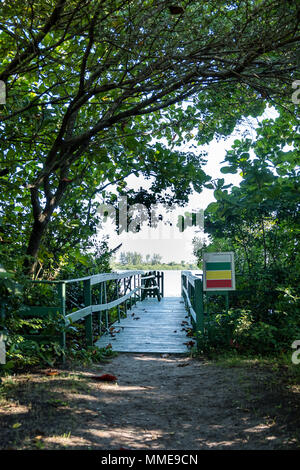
(16, 425)
(228, 169)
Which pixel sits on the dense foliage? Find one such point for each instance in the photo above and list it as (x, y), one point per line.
(23, 344)
(260, 222)
(100, 90)
(91, 83)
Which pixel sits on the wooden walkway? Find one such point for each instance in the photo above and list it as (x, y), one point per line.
(151, 327)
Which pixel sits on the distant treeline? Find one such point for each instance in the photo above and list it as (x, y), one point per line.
(134, 260)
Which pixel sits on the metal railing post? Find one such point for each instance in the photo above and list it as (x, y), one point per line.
(130, 288)
(135, 294)
(100, 302)
(105, 301)
(117, 295)
(87, 293)
(62, 304)
(140, 288)
(125, 303)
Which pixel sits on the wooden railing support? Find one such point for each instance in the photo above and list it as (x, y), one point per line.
(127, 295)
(89, 318)
(192, 293)
(198, 299)
(62, 301)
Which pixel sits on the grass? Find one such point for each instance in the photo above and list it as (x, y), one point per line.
(275, 363)
(36, 407)
(274, 390)
(57, 402)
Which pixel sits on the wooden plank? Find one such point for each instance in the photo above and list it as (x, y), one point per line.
(155, 327)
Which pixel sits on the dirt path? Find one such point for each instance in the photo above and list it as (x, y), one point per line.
(163, 403)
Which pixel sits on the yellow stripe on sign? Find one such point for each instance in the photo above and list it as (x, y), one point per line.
(218, 274)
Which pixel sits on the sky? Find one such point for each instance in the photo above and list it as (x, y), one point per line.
(168, 241)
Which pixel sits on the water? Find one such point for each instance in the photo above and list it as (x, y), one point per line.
(172, 282)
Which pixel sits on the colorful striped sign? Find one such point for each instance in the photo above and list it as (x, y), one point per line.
(218, 271)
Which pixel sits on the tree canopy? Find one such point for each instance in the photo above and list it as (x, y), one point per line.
(92, 86)
(261, 216)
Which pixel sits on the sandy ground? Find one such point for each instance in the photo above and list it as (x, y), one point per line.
(159, 402)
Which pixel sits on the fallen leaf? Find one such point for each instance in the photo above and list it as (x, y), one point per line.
(104, 378)
(51, 372)
(16, 425)
(190, 343)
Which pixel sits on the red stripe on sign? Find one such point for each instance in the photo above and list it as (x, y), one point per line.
(219, 283)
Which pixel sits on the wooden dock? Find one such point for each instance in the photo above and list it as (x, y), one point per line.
(151, 327)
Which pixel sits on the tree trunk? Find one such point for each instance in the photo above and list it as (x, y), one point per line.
(34, 244)
(42, 218)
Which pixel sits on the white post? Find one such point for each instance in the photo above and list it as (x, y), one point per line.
(2, 350)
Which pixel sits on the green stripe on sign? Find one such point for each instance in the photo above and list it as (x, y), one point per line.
(217, 266)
